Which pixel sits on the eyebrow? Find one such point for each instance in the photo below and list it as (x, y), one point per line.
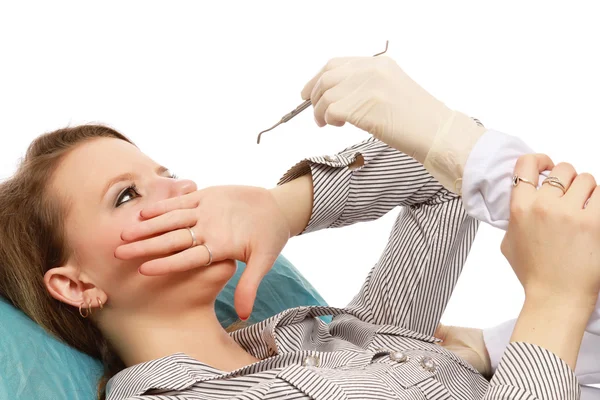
(128, 177)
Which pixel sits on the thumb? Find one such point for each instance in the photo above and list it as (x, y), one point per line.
(257, 266)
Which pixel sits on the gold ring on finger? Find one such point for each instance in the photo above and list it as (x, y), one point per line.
(554, 181)
(516, 179)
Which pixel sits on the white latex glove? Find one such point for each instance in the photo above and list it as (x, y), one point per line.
(376, 95)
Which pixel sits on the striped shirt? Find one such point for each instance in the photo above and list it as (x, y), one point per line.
(380, 346)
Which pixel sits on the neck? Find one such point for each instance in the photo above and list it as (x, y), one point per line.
(197, 333)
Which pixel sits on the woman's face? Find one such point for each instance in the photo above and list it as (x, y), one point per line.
(106, 182)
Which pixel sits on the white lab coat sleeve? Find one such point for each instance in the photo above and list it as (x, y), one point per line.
(487, 184)
(486, 189)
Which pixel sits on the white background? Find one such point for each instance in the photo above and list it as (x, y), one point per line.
(192, 83)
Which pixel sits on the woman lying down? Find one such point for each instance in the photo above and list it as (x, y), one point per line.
(111, 253)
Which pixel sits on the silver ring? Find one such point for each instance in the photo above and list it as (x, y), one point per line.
(209, 255)
(194, 240)
(516, 179)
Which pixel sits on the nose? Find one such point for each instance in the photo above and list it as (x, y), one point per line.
(164, 188)
(182, 187)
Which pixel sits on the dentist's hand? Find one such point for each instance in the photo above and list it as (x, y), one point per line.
(553, 238)
(235, 222)
(376, 95)
(553, 245)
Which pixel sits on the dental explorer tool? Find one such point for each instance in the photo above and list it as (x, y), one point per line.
(303, 106)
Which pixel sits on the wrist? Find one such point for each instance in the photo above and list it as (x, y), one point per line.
(562, 301)
(450, 150)
(295, 202)
(553, 321)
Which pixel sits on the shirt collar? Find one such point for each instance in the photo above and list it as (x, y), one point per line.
(261, 340)
(163, 373)
(180, 371)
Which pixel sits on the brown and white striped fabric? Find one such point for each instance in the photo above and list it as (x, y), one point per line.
(380, 346)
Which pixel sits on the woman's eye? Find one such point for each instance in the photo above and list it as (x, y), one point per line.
(173, 175)
(127, 195)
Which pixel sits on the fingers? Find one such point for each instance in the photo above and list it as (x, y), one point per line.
(529, 167)
(336, 87)
(169, 221)
(593, 204)
(322, 114)
(580, 190)
(195, 257)
(174, 203)
(566, 174)
(333, 63)
(245, 293)
(327, 81)
(167, 243)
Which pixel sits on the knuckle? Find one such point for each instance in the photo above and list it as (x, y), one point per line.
(378, 97)
(518, 209)
(588, 178)
(384, 60)
(525, 160)
(326, 80)
(333, 63)
(190, 215)
(565, 166)
(542, 209)
(327, 97)
(543, 159)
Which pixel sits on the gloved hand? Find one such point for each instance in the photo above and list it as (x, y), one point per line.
(376, 95)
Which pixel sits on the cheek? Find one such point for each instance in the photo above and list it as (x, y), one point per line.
(96, 251)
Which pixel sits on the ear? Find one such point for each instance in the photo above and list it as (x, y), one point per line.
(66, 284)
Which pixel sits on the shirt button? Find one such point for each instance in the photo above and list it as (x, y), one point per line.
(330, 158)
(398, 356)
(428, 364)
(311, 361)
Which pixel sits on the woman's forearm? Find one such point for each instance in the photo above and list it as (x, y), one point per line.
(295, 199)
(554, 322)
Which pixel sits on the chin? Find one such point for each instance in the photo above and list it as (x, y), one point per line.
(205, 283)
(197, 287)
(218, 273)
